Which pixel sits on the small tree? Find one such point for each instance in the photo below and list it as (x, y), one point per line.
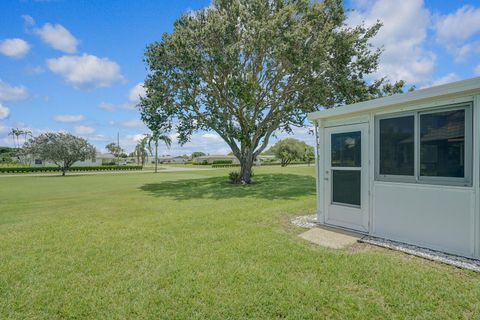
(141, 152)
(63, 149)
(197, 154)
(288, 150)
(115, 150)
(155, 137)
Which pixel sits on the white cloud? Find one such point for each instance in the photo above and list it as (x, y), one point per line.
(451, 77)
(28, 21)
(69, 118)
(83, 130)
(30, 70)
(4, 112)
(133, 123)
(106, 106)
(11, 93)
(58, 37)
(211, 137)
(458, 26)
(477, 70)
(99, 138)
(86, 70)
(14, 48)
(402, 36)
(454, 29)
(136, 92)
(134, 95)
(3, 128)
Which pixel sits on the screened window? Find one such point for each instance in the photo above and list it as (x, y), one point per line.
(397, 149)
(442, 144)
(346, 149)
(429, 146)
(346, 187)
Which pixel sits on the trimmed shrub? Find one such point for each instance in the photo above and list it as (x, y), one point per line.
(222, 162)
(263, 164)
(225, 165)
(72, 169)
(234, 177)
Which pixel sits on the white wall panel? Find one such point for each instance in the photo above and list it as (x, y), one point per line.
(437, 217)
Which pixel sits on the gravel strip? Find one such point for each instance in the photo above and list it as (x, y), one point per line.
(310, 221)
(457, 261)
(307, 222)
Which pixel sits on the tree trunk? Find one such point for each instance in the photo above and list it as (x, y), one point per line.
(63, 172)
(246, 163)
(156, 156)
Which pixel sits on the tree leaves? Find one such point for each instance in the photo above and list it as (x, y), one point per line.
(63, 149)
(247, 68)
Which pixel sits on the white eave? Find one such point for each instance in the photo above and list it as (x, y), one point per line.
(464, 87)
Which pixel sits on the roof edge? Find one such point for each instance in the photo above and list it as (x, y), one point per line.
(401, 98)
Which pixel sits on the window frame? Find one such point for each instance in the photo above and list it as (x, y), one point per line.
(394, 177)
(417, 178)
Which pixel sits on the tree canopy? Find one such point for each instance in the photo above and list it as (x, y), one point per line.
(196, 154)
(114, 149)
(63, 149)
(290, 149)
(247, 68)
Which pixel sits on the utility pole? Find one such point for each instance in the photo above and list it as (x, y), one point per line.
(118, 146)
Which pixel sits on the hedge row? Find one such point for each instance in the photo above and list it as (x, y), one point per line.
(263, 164)
(57, 169)
(203, 163)
(225, 165)
(222, 162)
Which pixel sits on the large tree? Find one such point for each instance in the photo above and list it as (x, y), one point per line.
(63, 149)
(247, 68)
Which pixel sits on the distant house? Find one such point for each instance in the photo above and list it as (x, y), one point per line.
(264, 158)
(210, 159)
(170, 159)
(100, 159)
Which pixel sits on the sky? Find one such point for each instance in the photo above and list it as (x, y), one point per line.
(77, 65)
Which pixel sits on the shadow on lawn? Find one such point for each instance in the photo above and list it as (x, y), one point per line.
(266, 186)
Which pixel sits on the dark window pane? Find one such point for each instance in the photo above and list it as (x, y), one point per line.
(346, 149)
(397, 146)
(442, 144)
(346, 186)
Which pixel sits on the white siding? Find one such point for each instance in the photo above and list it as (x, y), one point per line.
(438, 217)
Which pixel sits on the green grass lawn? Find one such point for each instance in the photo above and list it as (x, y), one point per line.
(188, 245)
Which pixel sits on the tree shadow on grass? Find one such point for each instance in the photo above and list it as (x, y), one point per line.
(266, 186)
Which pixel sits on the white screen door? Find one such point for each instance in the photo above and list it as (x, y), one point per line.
(346, 176)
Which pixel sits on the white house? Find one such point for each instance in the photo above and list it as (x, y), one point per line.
(216, 157)
(98, 161)
(170, 159)
(404, 167)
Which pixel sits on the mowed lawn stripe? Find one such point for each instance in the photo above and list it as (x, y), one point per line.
(189, 245)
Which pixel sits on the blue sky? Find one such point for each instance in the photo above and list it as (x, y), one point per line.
(77, 66)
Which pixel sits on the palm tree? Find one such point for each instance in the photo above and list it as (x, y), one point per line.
(26, 133)
(157, 136)
(15, 133)
(141, 150)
